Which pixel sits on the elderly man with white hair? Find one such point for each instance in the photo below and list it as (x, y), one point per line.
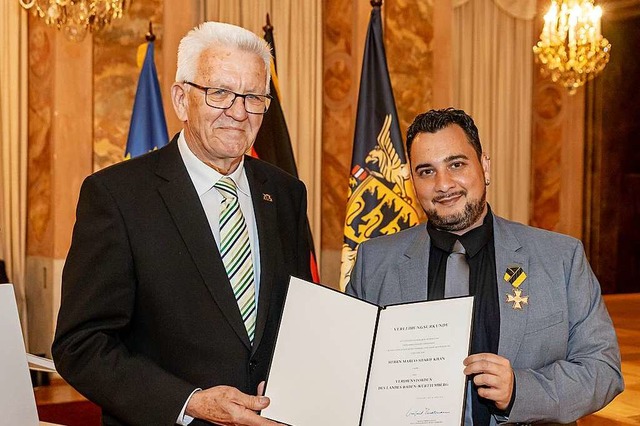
(174, 284)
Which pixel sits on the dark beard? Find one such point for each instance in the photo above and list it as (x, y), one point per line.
(457, 222)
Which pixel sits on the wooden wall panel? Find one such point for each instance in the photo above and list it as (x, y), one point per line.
(612, 232)
(557, 152)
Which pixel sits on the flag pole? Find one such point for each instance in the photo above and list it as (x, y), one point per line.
(268, 29)
(150, 36)
(268, 26)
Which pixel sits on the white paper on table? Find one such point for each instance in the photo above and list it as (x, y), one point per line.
(17, 402)
(39, 363)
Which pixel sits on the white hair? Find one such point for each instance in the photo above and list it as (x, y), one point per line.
(214, 34)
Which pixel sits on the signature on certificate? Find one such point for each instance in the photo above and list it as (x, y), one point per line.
(423, 412)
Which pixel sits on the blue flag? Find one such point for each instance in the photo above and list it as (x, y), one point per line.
(148, 128)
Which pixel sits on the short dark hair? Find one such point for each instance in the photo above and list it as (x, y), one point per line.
(437, 119)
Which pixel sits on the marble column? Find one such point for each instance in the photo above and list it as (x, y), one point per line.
(59, 157)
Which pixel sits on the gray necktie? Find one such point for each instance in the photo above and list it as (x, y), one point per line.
(456, 282)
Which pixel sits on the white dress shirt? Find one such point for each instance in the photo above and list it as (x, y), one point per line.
(204, 179)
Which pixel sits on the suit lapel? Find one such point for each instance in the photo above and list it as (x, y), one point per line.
(512, 321)
(413, 269)
(186, 210)
(264, 207)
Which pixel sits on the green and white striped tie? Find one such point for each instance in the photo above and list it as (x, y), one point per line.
(236, 253)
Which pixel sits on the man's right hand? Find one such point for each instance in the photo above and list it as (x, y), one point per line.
(227, 406)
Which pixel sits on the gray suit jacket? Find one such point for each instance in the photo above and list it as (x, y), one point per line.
(561, 345)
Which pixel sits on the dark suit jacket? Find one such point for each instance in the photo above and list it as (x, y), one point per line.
(148, 313)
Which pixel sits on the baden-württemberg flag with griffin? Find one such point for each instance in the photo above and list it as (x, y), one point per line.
(381, 196)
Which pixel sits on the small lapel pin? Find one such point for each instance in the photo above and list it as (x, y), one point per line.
(515, 275)
(267, 197)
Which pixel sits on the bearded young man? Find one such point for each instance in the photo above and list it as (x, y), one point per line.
(543, 345)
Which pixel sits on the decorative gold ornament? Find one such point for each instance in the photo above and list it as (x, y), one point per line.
(381, 200)
(76, 17)
(571, 49)
(517, 299)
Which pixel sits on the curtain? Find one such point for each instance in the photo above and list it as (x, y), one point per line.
(298, 37)
(492, 81)
(13, 152)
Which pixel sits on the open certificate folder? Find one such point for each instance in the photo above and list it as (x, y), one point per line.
(345, 362)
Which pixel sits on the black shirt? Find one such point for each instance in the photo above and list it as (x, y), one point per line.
(480, 253)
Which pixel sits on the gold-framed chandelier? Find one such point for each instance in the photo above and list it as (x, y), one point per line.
(572, 49)
(76, 17)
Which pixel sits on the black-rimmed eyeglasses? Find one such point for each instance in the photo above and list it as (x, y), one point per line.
(219, 98)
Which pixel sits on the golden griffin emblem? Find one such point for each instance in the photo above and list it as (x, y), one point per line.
(381, 199)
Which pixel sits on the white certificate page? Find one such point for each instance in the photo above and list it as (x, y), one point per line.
(319, 368)
(416, 374)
